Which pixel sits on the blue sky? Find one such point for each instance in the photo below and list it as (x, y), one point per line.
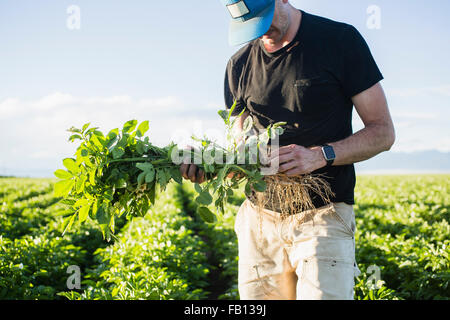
(165, 62)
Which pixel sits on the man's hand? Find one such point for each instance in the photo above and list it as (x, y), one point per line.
(296, 160)
(191, 171)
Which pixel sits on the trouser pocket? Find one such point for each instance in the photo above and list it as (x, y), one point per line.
(345, 216)
(326, 279)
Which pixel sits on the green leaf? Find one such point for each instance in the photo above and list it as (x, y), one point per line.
(111, 138)
(102, 216)
(176, 175)
(74, 130)
(198, 188)
(248, 189)
(80, 203)
(74, 137)
(71, 165)
(230, 112)
(84, 152)
(118, 152)
(206, 214)
(109, 194)
(129, 126)
(93, 212)
(142, 129)
(95, 140)
(260, 186)
(123, 141)
(114, 292)
(63, 174)
(113, 133)
(92, 176)
(141, 179)
(68, 222)
(208, 168)
(145, 166)
(152, 193)
(69, 202)
(63, 188)
(150, 176)
(224, 115)
(121, 183)
(248, 125)
(98, 133)
(110, 142)
(204, 198)
(85, 127)
(131, 140)
(161, 178)
(279, 124)
(140, 147)
(84, 212)
(80, 183)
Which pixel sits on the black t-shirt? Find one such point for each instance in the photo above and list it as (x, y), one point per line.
(309, 84)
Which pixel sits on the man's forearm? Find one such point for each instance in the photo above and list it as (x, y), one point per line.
(364, 144)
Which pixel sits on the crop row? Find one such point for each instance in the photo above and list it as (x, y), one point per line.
(34, 257)
(403, 237)
(402, 245)
(222, 244)
(158, 256)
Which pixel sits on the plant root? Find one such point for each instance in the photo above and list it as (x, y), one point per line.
(291, 196)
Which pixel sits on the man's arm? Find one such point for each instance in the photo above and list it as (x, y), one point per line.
(377, 136)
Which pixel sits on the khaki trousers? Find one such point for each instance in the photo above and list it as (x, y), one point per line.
(308, 259)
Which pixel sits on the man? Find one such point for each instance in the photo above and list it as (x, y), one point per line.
(310, 72)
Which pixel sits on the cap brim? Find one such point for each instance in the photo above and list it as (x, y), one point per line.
(245, 31)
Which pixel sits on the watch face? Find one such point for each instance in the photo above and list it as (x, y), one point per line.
(329, 153)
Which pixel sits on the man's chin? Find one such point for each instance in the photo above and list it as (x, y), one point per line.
(270, 38)
(268, 41)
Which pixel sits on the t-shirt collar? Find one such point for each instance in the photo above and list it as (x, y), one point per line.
(295, 42)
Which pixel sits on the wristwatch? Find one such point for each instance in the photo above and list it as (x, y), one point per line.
(329, 155)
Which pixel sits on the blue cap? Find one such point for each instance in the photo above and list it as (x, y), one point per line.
(251, 19)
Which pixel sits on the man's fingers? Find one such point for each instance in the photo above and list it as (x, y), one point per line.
(184, 170)
(286, 149)
(192, 173)
(201, 176)
(281, 151)
(287, 166)
(286, 157)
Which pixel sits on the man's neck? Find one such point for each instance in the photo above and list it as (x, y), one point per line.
(294, 25)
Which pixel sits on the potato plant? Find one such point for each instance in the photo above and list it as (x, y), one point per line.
(119, 173)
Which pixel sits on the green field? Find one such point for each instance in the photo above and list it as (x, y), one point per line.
(402, 233)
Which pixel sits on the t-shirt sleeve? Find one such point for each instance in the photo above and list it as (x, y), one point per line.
(357, 70)
(232, 90)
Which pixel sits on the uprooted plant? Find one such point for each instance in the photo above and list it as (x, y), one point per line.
(121, 172)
